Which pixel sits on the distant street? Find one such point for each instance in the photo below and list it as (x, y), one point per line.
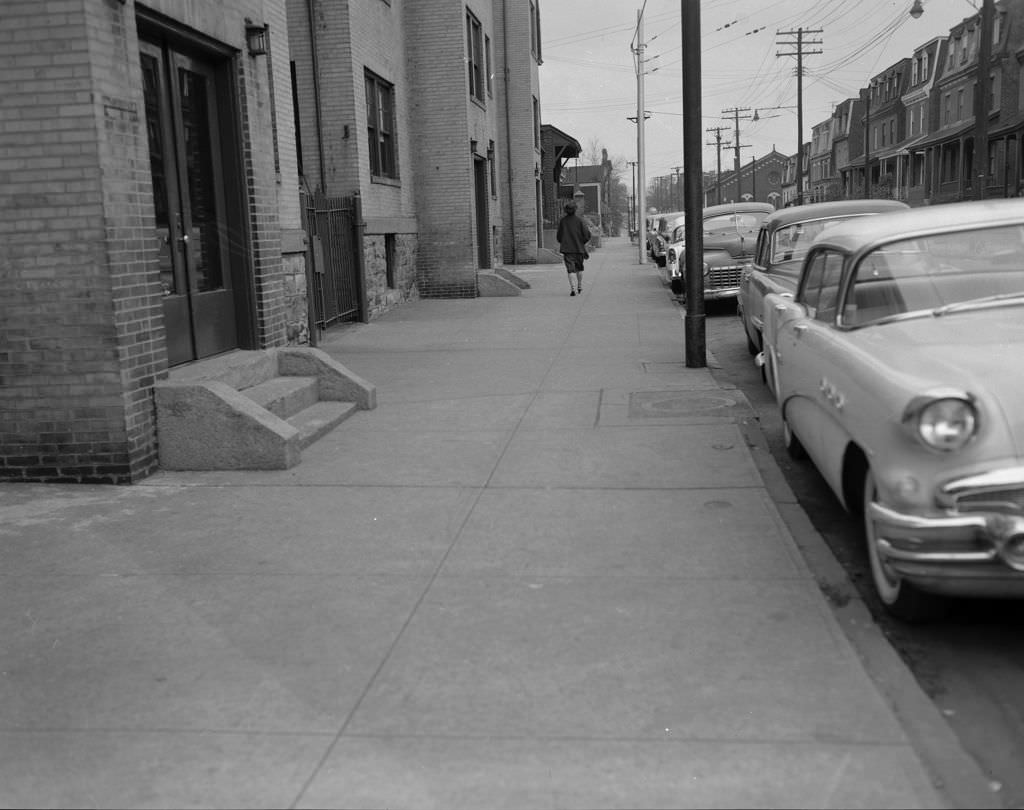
(972, 663)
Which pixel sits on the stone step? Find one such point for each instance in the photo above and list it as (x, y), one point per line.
(285, 396)
(320, 418)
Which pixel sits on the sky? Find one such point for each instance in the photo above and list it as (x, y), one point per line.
(588, 77)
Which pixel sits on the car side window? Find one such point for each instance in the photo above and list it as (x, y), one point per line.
(820, 293)
(761, 251)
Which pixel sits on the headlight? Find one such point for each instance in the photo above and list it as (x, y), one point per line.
(707, 269)
(947, 424)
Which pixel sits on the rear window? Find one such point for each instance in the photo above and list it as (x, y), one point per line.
(734, 222)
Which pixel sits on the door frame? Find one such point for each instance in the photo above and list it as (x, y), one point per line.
(164, 33)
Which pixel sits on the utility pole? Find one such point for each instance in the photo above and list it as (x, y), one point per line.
(641, 195)
(982, 104)
(677, 194)
(718, 157)
(735, 113)
(800, 54)
(694, 325)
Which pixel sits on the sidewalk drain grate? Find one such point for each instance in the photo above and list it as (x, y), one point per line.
(653, 404)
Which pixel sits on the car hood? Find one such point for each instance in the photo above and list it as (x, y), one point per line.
(737, 245)
(977, 351)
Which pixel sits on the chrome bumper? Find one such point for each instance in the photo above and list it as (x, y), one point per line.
(959, 553)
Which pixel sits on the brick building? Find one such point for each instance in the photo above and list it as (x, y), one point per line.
(159, 163)
(447, 163)
(149, 217)
(760, 180)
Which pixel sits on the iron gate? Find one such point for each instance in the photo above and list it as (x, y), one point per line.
(334, 228)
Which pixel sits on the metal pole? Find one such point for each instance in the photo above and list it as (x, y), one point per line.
(799, 116)
(693, 179)
(981, 105)
(867, 144)
(641, 192)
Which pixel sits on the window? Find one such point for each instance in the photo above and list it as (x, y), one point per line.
(380, 126)
(914, 71)
(390, 260)
(491, 164)
(535, 30)
(488, 65)
(536, 123)
(994, 90)
(945, 108)
(820, 293)
(475, 57)
(959, 105)
(924, 66)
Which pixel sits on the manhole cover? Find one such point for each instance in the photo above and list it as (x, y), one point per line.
(680, 403)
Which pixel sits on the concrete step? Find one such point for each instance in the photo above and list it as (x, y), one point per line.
(284, 396)
(253, 410)
(320, 418)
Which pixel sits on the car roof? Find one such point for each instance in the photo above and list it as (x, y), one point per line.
(838, 208)
(865, 232)
(738, 208)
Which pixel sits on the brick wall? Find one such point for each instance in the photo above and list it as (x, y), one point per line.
(520, 156)
(80, 332)
(82, 339)
(445, 121)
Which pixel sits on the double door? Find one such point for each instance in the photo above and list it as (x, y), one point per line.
(193, 227)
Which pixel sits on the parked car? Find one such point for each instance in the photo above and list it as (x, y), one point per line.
(730, 232)
(781, 246)
(652, 232)
(896, 366)
(664, 226)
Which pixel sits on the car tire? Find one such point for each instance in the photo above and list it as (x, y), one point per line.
(795, 450)
(899, 597)
(754, 351)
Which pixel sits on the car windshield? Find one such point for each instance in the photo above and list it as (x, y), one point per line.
(791, 242)
(733, 222)
(937, 275)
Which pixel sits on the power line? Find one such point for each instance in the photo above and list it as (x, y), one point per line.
(800, 54)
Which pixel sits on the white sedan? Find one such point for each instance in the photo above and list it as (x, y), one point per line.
(897, 369)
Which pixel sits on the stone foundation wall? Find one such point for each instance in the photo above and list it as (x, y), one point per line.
(380, 297)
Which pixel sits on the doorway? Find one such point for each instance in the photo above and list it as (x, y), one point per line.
(483, 219)
(196, 232)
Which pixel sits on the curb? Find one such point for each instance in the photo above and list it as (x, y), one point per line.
(955, 774)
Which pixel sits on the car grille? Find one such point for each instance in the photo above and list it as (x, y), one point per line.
(1008, 501)
(728, 276)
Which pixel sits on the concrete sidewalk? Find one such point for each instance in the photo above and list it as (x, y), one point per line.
(544, 573)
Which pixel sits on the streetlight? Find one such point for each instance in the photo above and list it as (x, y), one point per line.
(981, 103)
(757, 117)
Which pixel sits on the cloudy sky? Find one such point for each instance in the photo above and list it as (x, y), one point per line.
(589, 86)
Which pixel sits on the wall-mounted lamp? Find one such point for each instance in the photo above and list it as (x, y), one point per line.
(255, 38)
(917, 9)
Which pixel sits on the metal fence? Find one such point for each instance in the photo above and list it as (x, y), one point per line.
(334, 228)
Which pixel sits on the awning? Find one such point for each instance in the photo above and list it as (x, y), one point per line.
(944, 135)
(565, 146)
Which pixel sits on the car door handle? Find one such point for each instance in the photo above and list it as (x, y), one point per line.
(800, 328)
